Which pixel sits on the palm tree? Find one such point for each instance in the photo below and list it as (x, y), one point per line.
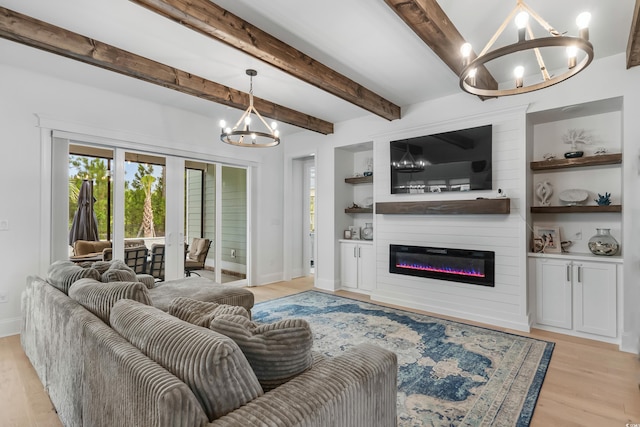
(147, 217)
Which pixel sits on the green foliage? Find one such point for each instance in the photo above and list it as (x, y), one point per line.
(134, 195)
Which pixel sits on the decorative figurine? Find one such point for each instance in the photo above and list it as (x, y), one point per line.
(548, 156)
(544, 190)
(603, 200)
(575, 137)
(600, 151)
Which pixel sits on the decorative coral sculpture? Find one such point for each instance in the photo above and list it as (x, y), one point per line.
(576, 136)
(603, 200)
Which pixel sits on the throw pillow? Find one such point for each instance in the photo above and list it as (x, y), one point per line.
(277, 352)
(201, 313)
(211, 364)
(99, 297)
(62, 274)
(119, 272)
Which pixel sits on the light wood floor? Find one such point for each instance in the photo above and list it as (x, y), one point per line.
(588, 383)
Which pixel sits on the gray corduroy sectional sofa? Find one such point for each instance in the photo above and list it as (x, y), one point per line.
(117, 360)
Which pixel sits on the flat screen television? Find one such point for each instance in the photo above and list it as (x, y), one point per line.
(459, 160)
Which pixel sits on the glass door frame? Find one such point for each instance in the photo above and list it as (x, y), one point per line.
(54, 184)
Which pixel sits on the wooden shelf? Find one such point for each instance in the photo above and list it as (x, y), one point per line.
(359, 180)
(446, 207)
(576, 209)
(358, 210)
(604, 159)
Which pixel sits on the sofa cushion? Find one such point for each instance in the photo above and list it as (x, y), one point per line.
(99, 297)
(211, 364)
(201, 289)
(277, 352)
(201, 313)
(118, 271)
(62, 274)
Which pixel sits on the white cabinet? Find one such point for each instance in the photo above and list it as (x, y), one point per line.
(576, 295)
(357, 265)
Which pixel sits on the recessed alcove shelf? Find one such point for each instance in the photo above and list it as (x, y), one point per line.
(576, 209)
(501, 206)
(604, 159)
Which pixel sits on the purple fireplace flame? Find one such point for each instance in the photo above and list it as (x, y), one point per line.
(457, 265)
(446, 270)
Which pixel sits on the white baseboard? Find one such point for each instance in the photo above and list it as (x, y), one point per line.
(630, 343)
(517, 325)
(10, 326)
(269, 278)
(327, 285)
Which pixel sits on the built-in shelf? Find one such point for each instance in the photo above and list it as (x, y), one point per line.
(575, 209)
(600, 160)
(358, 210)
(359, 180)
(446, 207)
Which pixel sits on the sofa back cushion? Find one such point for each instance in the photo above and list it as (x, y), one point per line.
(62, 274)
(211, 364)
(99, 297)
(277, 351)
(201, 313)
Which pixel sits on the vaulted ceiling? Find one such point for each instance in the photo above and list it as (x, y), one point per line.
(318, 62)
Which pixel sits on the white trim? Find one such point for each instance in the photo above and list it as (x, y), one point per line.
(630, 343)
(131, 141)
(46, 142)
(10, 326)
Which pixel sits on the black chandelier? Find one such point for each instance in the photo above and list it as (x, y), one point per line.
(242, 135)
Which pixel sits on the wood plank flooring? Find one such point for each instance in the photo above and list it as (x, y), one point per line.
(588, 384)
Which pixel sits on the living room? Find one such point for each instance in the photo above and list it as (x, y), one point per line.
(41, 100)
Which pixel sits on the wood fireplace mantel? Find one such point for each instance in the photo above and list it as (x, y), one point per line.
(500, 206)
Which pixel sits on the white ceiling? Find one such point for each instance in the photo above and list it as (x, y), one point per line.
(363, 39)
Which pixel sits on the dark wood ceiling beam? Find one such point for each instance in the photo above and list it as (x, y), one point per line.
(34, 33)
(633, 46)
(212, 20)
(427, 19)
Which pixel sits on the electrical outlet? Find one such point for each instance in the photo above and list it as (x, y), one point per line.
(4, 298)
(233, 253)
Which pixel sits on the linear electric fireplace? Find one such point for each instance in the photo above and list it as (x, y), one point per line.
(456, 265)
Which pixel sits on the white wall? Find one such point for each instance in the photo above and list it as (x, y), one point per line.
(605, 78)
(26, 93)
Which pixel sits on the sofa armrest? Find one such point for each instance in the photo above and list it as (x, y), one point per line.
(355, 389)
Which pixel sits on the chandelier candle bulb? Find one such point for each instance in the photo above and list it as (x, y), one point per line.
(518, 72)
(465, 50)
(522, 19)
(572, 53)
(582, 21)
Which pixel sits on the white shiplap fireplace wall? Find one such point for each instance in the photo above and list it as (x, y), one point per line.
(506, 303)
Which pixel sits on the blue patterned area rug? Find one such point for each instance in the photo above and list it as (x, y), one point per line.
(450, 374)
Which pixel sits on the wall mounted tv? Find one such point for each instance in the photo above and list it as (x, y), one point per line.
(451, 161)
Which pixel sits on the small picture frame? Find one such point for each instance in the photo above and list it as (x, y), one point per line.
(347, 234)
(547, 238)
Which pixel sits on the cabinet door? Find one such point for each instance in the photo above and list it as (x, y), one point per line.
(349, 265)
(595, 298)
(553, 293)
(366, 267)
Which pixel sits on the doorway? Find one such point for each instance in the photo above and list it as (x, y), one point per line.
(302, 255)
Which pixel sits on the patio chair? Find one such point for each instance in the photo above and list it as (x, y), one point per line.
(135, 257)
(196, 256)
(156, 261)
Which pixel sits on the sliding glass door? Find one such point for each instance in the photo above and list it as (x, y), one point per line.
(216, 209)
